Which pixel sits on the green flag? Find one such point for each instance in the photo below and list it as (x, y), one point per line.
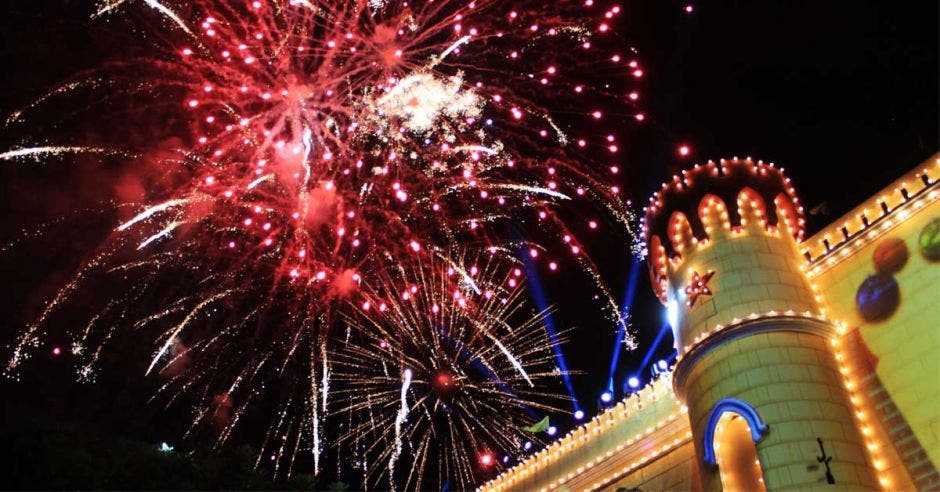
(540, 426)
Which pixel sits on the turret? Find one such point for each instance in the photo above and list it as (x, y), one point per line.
(755, 367)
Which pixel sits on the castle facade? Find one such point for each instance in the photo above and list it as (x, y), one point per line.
(803, 362)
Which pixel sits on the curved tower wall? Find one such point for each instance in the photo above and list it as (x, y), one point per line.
(722, 241)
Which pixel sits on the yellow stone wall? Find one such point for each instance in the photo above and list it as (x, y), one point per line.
(755, 272)
(675, 470)
(906, 345)
(791, 379)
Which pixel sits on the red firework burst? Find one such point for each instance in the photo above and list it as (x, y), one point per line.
(333, 142)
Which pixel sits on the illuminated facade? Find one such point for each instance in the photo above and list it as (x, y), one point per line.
(802, 362)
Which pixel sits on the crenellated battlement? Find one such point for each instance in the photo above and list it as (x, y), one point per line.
(726, 199)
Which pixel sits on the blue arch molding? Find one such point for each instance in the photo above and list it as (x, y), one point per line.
(754, 422)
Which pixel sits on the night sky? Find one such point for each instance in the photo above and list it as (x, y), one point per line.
(842, 94)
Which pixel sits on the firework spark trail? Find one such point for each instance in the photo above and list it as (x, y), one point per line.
(163, 9)
(107, 6)
(29, 336)
(326, 376)
(325, 379)
(36, 152)
(163, 233)
(307, 4)
(450, 49)
(533, 189)
(276, 430)
(179, 328)
(477, 148)
(150, 211)
(316, 448)
(305, 163)
(467, 278)
(262, 179)
(512, 359)
(400, 419)
(62, 89)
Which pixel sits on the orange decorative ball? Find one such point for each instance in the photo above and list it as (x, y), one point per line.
(890, 256)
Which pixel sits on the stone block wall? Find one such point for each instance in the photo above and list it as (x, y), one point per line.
(791, 379)
(903, 348)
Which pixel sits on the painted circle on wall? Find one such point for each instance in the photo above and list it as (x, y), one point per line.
(930, 240)
(877, 297)
(890, 256)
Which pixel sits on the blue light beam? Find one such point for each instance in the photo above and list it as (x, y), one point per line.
(659, 338)
(628, 297)
(541, 303)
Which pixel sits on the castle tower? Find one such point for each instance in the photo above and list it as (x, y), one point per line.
(755, 358)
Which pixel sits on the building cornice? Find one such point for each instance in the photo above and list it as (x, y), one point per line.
(873, 218)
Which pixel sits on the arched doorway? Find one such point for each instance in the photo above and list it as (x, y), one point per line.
(731, 435)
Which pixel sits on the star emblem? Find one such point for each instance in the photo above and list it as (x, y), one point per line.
(698, 287)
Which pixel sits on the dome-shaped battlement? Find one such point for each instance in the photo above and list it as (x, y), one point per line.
(723, 199)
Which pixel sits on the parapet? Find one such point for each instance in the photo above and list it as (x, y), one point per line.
(693, 209)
